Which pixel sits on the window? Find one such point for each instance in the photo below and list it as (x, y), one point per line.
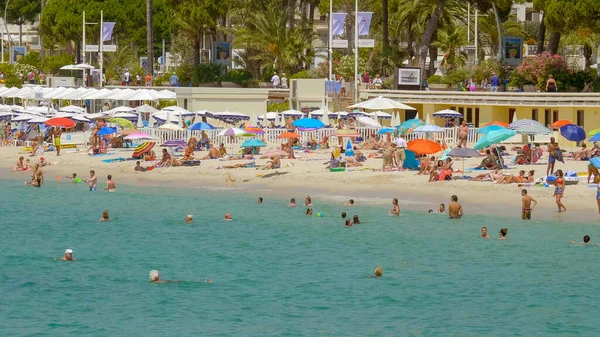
(476, 117)
(547, 117)
(580, 118)
(511, 114)
(534, 114)
(410, 114)
(554, 116)
(462, 112)
(469, 115)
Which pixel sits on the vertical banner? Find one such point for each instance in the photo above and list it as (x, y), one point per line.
(513, 50)
(364, 23)
(18, 52)
(223, 53)
(338, 25)
(107, 30)
(144, 62)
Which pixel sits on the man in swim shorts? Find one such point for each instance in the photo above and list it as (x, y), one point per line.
(526, 207)
(57, 132)
(92, 181)
(455, 209)
(68, 255)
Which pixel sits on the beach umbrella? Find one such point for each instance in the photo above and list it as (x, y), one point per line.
(447, 114)
(381, 103)
(384, 131)
(560, 123)
(596, 162)
(380, 114)
(325, 118)
(409, 124)
(253, 143)
(146, 108)
(424, 146)
(59, 121)
(574, 133)
(234, 132)
(174, 143)
(308, 123)
(288, 135)
(72, 108)
(595, 138)
(346, 133)
(98, 115)
(106, 131)
(142, 149)
(349, 150)
(201, 126)
(255, 130)
(23, 118)
(170, 126)
(491, 127)
(275, 153)
(138, 135)
(124, 123)
(463, 152)
(503, 124)
(268, 115)
(428, 128)
(38, 120)
(369, 122)
(127, 131)
(80, 118)
(126, 115)
(533, 129)
(523, 122)
(593, 132)
(494, 137)
(358, 113)
(120, 109)
(293, 113)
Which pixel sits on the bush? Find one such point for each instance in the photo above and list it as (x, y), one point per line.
(456, 76)
(535, 71)
(277, 106)
(32, 58)
(435, 79)
(208, 73)
(239, 77)
(300, 74)
(11, 75)
(486, 68)
(52, 63)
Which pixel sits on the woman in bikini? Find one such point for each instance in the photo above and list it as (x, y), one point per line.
(512, 178)
(19, 166)
(492, 176)
(559, 190)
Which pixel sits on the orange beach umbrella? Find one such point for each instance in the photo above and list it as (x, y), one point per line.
(289, 135)
(560, 123)
(497, 123)
(424, 146)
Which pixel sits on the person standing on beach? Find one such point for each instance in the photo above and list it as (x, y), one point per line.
(552, 155)
(526, 207)
(463, 132)
(57, 132)
(93, 181)
(396, 208)
(110, 184)
(559, 190)
(455, 209)
(400, 151)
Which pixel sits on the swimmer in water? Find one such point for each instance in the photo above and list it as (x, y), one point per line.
(395, 209)
(355, 220)
(484, 233)
(228, 217)
(503, 233)
(92, 181)
(586, 241)
(155, 278)
(309, 211)
(110, 184)
(455, 209)
(74, 178)
(442, 208)
(307, 201)
(351, 202)
(378, 272)
(260, 200)
(189, 218)
(68, 255)
(343, 215)
(292, 202)
(105, 216)
(348, 223)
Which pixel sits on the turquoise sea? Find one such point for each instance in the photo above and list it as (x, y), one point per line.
(277, 272)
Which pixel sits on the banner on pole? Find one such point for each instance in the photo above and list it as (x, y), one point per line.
(338, 24)
(364, 23)
(107, 30)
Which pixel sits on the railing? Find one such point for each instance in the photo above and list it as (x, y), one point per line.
(449, 135)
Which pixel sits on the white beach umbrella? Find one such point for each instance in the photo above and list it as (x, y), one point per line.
(80, 118)
(120, 109)
(170, 126)
(381, 103)
(268, 115)
(325, 118)
(146, 108)
(126, 115)
(72, 108)
(369, 122)
(140, 122)
(380, 114)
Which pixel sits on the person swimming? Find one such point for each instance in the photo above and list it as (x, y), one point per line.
(260, 200)
(105, 216)
(68, 255)
(228, 217)
(442, 208)
(586, 241)
(189, 218)
(155, 278)
(110, 184)
(309, 211)
(292, 202)
(74, 178)
(396, 208)
(378, 272)
(307, 201)
(503, 233)
(351, 202)
(348, 223)
(344, 215)
(484, 233)
(355, 220)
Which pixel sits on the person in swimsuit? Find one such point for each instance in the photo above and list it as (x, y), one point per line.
(139, 167)
(68, 255)
(559, 190)
(348, 223)
(593, 172)
(19, 166)
(308, 201)
(309, 211)
(503, 233)
(395, 207)
(586, 241)
(57, 132)
(189, 152)
(455, 210)
(442, 208)
(388, 161)
(228, 217)
(484, 233)
(292, 202)
(356, 220)
(213, 153)
(552, 148)
(110, 184)
(378, 272)
(92, 181)
(463, 132)
(105, 216)
(274, 163)
(526, 206)
(189, 218)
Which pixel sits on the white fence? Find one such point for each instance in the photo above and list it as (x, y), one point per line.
(449, 135)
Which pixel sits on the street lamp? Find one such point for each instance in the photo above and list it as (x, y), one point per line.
(6, 28)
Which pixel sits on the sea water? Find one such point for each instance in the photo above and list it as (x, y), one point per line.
(278, 272)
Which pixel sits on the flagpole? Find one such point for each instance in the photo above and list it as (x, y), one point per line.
(330, 39)
(83, 41)
(355, 51)
(101, 44)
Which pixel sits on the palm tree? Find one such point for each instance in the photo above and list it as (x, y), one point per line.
(450, 39)
(488, 31)
(149, 43)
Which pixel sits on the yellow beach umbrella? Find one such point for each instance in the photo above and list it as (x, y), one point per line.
(122, 122)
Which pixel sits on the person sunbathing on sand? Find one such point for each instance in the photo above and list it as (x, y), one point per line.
(274, 163)
(213, 153)
(583, 154)
(189, 153)
(510, 179)
(19, 166)
(222, 149)
(139, 167)
(150, 156)
(492, 176)
(489, 162)
(167, 160)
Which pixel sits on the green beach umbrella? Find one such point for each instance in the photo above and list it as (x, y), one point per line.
(493, 137)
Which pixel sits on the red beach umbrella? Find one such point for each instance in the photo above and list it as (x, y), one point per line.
(60, 121)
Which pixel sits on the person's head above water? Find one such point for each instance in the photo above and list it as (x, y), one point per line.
(307, 200)
(309, 211)
(355, 219)
(105, 214)
(292, 200)
(378, 271)
(343, 215)
(74, 175)
(586, 239)
(483, 231)
(189, 218)
(395, 201)
(442, 207)
(503, 232)
(154, 276)
(228, 217)
(351, 201)
(68, 254)
(260, 200)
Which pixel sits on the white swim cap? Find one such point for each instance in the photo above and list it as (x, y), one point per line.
(69, 251)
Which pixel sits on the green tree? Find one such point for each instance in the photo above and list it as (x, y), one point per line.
(450, 39)
(20, 12)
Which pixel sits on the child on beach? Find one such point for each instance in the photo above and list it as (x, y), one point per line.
(110, 184)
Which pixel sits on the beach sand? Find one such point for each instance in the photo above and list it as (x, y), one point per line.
(307, 176)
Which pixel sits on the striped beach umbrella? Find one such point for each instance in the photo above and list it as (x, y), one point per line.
(523, 122)
(142, 149)
(447, 114)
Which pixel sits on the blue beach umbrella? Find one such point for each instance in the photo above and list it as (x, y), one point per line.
(308, 123)
(493, 137)
(595, 138)
(201, 126)
(349, 150)
(383, 131)
(409, 124)
(574, 133)
(489, 128)
(428, 128)
(595, 161)
(253, 143)
(106, 131)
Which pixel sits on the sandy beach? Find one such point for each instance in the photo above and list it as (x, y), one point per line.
(307, 175)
